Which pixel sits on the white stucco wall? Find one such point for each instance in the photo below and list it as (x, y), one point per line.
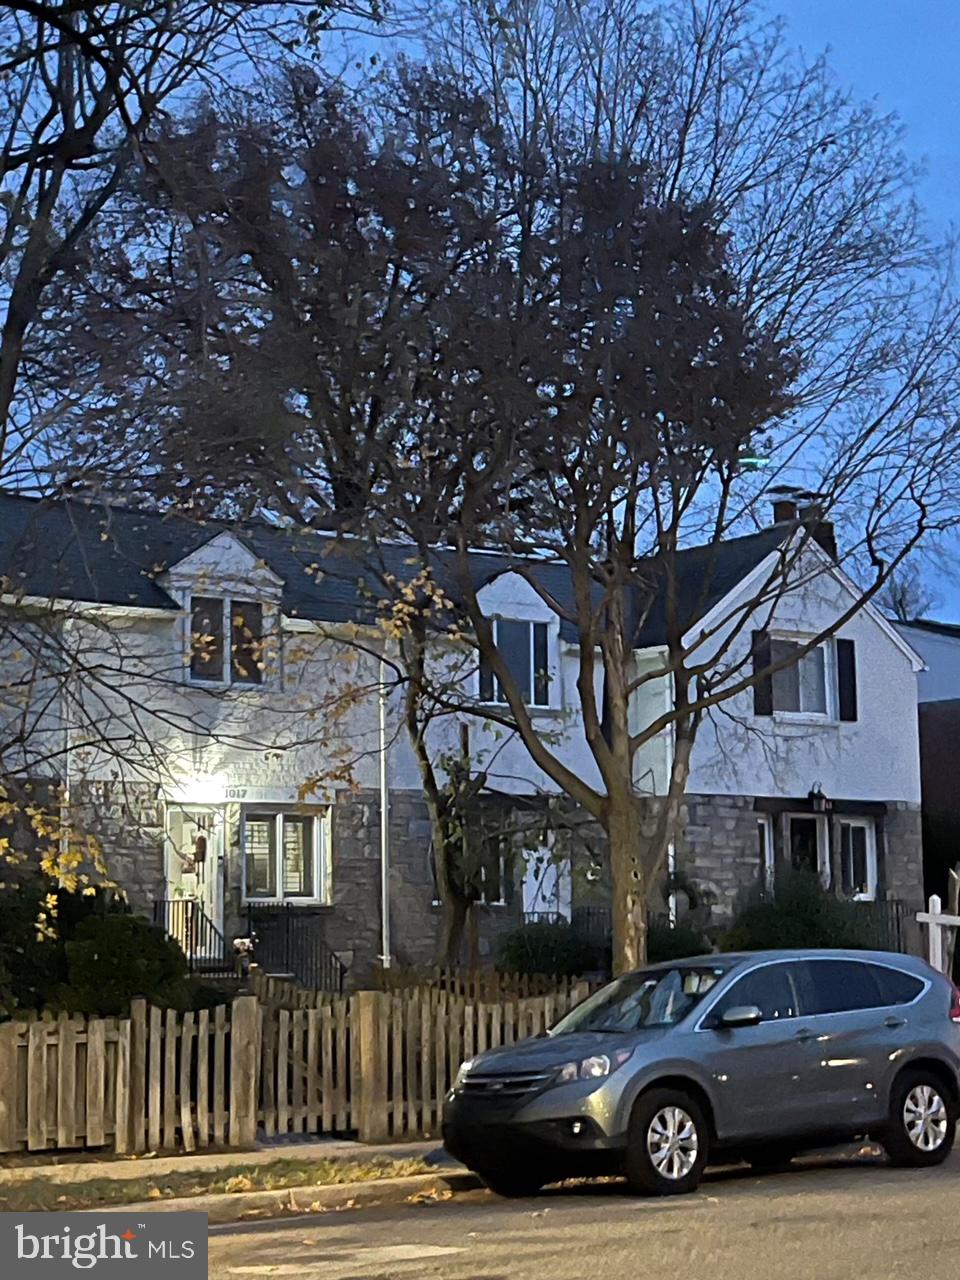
(875, 757)
(205, 743)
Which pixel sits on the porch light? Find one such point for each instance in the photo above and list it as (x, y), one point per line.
(818, 801)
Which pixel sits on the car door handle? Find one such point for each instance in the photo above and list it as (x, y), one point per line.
(804, 1035)
(893, 1022)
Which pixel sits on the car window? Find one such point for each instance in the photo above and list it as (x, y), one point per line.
(837, 986)
(651, 998)
(769, 988)
(896, 987)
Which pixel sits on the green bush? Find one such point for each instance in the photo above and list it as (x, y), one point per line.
(664, 943)
(548, 948)
(804, 914)
(32, 968)
(112, 959)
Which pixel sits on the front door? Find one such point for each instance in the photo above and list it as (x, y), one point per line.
(195, 875)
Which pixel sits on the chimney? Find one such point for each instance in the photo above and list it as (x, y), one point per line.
(820, 530)
(784, 511)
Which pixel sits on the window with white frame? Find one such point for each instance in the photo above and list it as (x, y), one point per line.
(858, 858)
(226, 640)
(765, 851)
(285, 856)
(524, 648)
(496, 871)
(803, 686)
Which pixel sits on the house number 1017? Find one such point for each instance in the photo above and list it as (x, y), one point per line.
(235, 793)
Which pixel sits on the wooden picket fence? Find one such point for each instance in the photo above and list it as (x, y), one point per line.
(486, 985)
(156, 1080)
(285, 993)
(376, 1063)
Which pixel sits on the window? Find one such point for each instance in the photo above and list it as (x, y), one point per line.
(524, 649)
(496, 872)
(770, 989)
(651, 998)
(858, 858)
(896, 987)
(837, 986)
(807, 844)
(216, 654)
(765, 853)
(206, 638)
(246, 642)
(285, 856)
(801, 687)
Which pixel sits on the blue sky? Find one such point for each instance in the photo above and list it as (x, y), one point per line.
(905, 55)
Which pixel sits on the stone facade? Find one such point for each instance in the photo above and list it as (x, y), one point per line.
(718, 865)
(717, 858)
(127, 819)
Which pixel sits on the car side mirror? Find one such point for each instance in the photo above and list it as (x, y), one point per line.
(740, 1015)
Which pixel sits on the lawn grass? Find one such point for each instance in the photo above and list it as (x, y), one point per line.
(43, 1194)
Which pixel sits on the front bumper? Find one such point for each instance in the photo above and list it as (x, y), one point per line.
(487, 1138)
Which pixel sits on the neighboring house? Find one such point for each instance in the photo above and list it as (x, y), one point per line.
(185, 683)
(938, 643)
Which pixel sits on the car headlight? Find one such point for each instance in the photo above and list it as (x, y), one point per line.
(595, 1068)
(462, 1073)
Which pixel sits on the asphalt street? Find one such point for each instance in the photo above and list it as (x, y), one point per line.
(822, 1220)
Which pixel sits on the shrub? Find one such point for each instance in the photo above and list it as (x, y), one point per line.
(664, 943)
(32, 968)
(113, 958)
(548, 948)
(803, 914)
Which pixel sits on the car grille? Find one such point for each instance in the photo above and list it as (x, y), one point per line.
(515, 1084)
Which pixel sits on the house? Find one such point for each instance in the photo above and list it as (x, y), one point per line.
(938, 644)
(198, 692)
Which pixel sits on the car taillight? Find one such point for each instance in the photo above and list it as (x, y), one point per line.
(955, 1004)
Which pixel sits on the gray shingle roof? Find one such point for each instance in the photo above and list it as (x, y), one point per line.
(94, 553)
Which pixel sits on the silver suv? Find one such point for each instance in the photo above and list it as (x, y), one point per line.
(755, 1057)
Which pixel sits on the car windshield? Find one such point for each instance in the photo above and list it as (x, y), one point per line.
(650, 998)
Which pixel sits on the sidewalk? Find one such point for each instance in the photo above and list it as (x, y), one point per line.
(146, 1166)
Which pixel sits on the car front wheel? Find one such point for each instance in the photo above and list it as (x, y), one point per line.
(667, 1144)
(922, 1123)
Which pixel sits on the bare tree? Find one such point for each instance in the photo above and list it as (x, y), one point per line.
(82, 85)
(905, 595)
(631, 253)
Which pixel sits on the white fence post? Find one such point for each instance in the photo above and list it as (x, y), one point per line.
(935, 933)
(936, 920)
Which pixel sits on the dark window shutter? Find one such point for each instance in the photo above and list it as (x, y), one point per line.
(847, 679)
(763, 689)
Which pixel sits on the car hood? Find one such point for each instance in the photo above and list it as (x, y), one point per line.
(543, 1052)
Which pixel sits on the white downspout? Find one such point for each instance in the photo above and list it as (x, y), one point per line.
(384, 825)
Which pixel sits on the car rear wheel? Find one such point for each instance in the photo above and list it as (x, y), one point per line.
(512, 1186)
(922, 1123)
(667, 1144)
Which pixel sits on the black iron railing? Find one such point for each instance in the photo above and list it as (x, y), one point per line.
(544, 917)
(185, 921)
(288, 940)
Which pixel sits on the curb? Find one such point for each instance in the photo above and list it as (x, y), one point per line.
(230, 1207)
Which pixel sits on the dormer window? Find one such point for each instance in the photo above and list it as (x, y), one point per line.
(524, 647)
(226, 641)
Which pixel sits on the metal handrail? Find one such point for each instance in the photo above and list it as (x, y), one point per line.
(185, 921)
(287, 940)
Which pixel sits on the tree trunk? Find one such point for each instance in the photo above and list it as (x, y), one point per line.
(455, 914)
(628, 884)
